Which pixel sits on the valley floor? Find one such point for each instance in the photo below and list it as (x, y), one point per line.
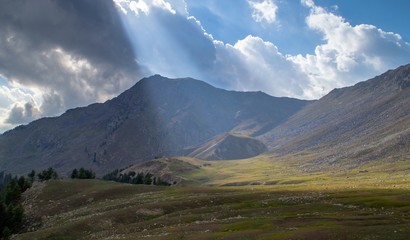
(92, 209)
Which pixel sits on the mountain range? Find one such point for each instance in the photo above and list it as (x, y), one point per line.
(351, 126)
(156, 117)
(162, 117)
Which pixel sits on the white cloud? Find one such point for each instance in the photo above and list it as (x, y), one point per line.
(263, 11)
(17, 106)
(350, 53)
(143, 6)
(137, 6)
(9, 96)
(253, 64)
(122, 5)
(164, 5)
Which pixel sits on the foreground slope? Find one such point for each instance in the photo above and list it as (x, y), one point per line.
(350, 126)
(83, 209)
(156, 117)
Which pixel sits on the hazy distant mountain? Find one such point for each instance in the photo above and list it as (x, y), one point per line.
(156, 117)
(352, 125)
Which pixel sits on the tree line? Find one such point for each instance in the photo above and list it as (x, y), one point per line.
(135, 178)
(11, 207)
(12, 187)
(82, 174)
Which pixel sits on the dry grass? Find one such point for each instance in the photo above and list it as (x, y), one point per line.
(260, 198)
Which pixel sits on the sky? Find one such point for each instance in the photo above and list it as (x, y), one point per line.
(57, 55)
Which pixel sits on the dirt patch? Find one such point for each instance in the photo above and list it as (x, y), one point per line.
(237, 184)
(293, 182)
(150, 212)
(32, 220)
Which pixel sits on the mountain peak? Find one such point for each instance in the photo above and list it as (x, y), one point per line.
(402, 76)
(158, 116)
(398, 78)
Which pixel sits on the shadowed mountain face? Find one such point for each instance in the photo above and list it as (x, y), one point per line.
(156, 117)
(365, 122)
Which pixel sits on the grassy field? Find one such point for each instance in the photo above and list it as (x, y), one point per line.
(260, 198)
(288, 173)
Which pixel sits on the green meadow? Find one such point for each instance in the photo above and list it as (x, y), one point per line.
(258, 198)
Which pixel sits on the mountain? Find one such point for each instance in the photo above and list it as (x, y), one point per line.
(229, 146)
(154, 118)
(366, 122)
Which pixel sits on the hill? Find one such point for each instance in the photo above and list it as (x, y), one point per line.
(229, 146)
(91, 209)
(156, 117)
(369, 121)
(170, 170)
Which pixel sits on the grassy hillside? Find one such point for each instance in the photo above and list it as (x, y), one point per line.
(349, 126)
(259, 198)
(285, 172)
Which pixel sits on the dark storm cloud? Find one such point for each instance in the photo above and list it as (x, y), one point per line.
(75, 51)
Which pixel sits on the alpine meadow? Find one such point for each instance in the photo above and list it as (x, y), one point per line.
(185, 119)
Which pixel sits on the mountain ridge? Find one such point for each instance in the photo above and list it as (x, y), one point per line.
(154, 118)
(161, 117)
(351, 125)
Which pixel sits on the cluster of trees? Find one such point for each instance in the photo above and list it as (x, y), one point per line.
(45, 175)
(82, 174)
(11, 208)
(135, 178)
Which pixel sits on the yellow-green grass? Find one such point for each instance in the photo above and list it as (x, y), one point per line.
(259, 198)
(92, 209)
(282, 173)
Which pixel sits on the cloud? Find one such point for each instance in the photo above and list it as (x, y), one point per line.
(176, 45)
(143, 6)
(72, 53)
(253, 64)
(23, 114)
(17, 106)
(263, 11)
(349, 53)
(61, 54)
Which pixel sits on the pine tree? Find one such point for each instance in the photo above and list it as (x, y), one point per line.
(13, 193)
(32, 176)
(74, 174)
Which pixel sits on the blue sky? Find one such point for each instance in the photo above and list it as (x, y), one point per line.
(56, 55)
(230, 20)
(391, 16)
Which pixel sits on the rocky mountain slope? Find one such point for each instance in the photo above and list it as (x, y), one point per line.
(229, 146)
(156, 117)
(368, 121)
